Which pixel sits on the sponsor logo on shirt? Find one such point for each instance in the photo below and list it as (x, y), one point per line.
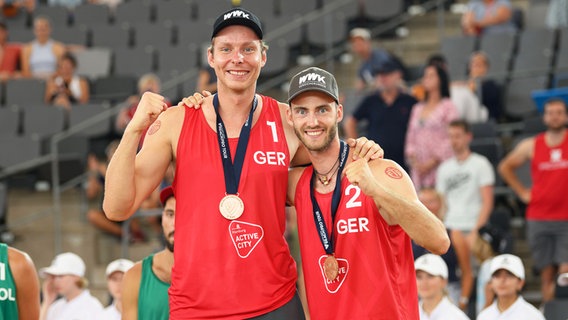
(245, 236)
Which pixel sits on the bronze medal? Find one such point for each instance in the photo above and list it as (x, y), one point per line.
(231, 207)
(330, 268)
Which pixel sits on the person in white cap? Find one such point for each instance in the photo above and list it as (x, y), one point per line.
(431, 280)
(507, 281)
(115, 273)
(65, 277)
(371, 58)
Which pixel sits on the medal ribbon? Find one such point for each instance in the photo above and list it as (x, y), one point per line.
(325, 236)
(232, 172)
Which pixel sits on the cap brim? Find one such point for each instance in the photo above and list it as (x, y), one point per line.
(299, 92)
(51, 271)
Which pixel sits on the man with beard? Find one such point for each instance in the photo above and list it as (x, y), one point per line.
(354, 230)
(146, 284)
(547, 210)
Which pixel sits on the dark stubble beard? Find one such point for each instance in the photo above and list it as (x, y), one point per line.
(170, 244)
(328, 139)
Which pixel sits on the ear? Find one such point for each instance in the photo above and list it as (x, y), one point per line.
(289, 116)
(339, 112)
(263, 58)
(210, 58)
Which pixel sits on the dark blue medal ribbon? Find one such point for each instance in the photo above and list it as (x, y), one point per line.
(232, 171)
(325, 236)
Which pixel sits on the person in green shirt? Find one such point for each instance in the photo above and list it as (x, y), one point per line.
(146, 284)
(19, 285)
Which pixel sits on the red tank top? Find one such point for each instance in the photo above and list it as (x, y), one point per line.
(231, 269)
(376, 267)
(549, 172)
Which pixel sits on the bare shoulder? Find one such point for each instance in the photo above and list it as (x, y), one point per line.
(134, 273)
(19, 259)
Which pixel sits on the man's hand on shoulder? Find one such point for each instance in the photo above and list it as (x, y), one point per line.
(195, 100)
(364, 148)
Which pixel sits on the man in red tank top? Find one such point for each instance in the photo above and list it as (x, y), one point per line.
(547, 210)
(231, 260)
(354, 229)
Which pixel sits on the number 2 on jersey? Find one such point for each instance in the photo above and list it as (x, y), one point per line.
(353, 201)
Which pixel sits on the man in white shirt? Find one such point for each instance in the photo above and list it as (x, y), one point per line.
(466, 182)
(507, 280)
(66, 278)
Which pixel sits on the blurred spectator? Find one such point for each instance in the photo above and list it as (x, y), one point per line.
(69, 4)
(466, 102)
(10, 55)
(431, 281)
(491, 241)
(457, 259)
(547, 210)
(115, 273)
(372, 58)
(65, 87)
(39, 57)
(207, 80)
(557, 15)
(387, 111)
(488, 16)
(94, 190)
(19, 285)
(507, 281)
(11, 8)
(148, 82)
(488, 90)
(466, 182)
(112, 4)
(427, 142)
(65, 278)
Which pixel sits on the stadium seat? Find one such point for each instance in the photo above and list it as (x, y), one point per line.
(91, 14)
(157, 35)
(562, 54)
(24, 92)
(457, 50)
(9, 121)
(17, 150)
(331, 27)
(133, 12)
(292, 7)
(94, 62)
(518, 100)
(278, 60)
(535, 52)
(112, 36)
(556, 309)
(43, 121)
(113, 88)
(383, 9)
(58, 15)
(179, 10)
(499, 48)
(134, 62)
(71, 36)
(81, 113)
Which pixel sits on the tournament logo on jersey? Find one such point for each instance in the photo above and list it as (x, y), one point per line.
(246, 236)
(333, 286)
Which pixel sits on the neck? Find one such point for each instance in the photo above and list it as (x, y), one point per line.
(389, 93)
(430, 304)
(118, 304)
(504, 303)
(463, 154)
(434, 97)
(323, 161)
(233, 102)
(556, 134)
(73, 294)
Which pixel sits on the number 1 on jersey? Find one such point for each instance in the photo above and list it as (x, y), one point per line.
(272, 126)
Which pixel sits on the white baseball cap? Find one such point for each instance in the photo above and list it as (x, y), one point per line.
(563, 279)
(121, 265)
(508, 262)
(66, 263)
(360, 33)
(432, 264)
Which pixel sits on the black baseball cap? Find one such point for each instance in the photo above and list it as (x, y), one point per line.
(386, 67)
(313, 79)
(238, 16)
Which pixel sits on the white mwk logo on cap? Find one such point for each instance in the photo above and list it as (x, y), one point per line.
(236, 14)
(312, 77)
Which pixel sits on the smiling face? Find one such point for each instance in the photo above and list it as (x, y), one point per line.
(314, 116)
(237, 55)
